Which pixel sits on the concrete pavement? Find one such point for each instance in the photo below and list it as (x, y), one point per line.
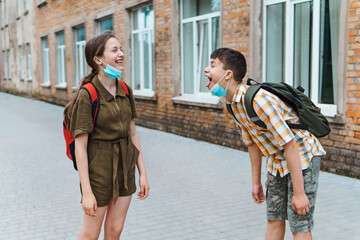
(198, 190)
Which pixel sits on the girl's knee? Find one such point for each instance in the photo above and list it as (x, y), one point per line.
(89, 235)
(114, 229)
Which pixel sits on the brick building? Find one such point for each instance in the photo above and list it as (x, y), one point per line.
(315, 43)
(17, 43)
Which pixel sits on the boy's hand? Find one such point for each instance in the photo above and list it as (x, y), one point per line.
(258, 194)
(300, 203)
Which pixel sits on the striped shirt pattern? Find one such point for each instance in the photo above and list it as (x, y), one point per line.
(275, 114)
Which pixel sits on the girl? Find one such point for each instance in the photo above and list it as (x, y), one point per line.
(106, 153)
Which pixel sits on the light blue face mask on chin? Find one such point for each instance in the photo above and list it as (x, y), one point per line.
(218, 91)
(110, 71)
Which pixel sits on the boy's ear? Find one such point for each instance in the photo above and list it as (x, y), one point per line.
(229, 75)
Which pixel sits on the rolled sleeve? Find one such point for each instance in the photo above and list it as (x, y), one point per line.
(81, 117)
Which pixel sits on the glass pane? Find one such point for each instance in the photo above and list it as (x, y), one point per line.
(149, 17)
(61, 38)
(153, 60)
(192, 8)
(80, 34)
(188, 58)
(106, 24)
(136, 65)
(45, 42)
(77, 64)
(204, 54)
(302, 45)
(135, 24)
(84, 70)
(146, 58)
(215, 33)
(329, 43)
(275, 42)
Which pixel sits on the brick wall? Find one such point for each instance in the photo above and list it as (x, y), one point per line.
(211, 124)
(343, 144)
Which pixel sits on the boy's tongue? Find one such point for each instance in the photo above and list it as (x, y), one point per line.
(208, 84)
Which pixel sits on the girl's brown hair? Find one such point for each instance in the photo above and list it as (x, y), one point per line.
(94, 47)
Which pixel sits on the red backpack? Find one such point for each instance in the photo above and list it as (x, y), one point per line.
(95, 105)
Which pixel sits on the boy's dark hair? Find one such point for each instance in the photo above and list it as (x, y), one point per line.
(233, 60)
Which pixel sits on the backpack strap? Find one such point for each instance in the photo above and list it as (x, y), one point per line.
(94, 97)
(249, 98)
(125, 87)
(229, 109)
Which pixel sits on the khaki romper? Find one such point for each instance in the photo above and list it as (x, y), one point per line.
(111, 153)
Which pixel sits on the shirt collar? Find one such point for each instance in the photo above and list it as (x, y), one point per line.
(105, 93)
(239, 92)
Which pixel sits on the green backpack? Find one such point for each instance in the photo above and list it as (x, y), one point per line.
(310, 116)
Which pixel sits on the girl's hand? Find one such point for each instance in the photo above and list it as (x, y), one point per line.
(89, 204)
(144, 188)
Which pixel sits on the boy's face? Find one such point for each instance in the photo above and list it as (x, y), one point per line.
(214, 72)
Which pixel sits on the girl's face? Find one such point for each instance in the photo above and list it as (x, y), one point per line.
(113, 54)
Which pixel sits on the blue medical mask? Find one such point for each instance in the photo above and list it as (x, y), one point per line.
(218, 91)
(110, 71)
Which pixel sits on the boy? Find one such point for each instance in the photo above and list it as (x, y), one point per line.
(293, 156)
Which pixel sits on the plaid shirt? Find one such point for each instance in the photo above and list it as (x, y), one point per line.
(275, 114)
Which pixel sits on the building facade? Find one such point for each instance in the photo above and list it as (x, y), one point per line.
(18, 47)
(167, 43)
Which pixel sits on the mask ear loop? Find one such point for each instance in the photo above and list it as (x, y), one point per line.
(228, 81)
(101, 62)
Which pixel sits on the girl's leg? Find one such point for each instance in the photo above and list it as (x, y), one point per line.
(92, 225)
(115, 218)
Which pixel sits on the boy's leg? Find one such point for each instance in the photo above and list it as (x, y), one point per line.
(301, 226)
(276, 206)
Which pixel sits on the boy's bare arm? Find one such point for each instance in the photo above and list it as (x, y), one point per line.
(300, 202)
(256, 159)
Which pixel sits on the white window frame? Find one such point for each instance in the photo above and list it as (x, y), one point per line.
(199, 96)
(4, 74)
(61, 63)
(29, 63)
(141, 32)
(21, 63)
(329, 110)
(45, 63)
(18, 8)
(9, 64)
(6, 15)
(26, 5)
(80, 58)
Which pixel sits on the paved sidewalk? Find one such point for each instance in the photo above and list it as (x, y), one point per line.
(198, 190)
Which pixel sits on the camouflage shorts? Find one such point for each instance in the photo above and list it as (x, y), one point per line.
(279, 192)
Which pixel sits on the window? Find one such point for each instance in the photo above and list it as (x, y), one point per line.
(80, 54)
(200, 20)
(4, 67)
(18, 8)
(61, 59)
(301, 40)
(29, 65)
(26, 5)
(6, 14)
(8, 64)
(142, 41)
(21, 62)
(105, 24)
(45, 61)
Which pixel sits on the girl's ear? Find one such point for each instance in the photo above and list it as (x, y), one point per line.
(97, 61)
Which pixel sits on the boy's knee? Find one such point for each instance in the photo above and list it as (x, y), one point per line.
(302, 236)
(276, 223)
